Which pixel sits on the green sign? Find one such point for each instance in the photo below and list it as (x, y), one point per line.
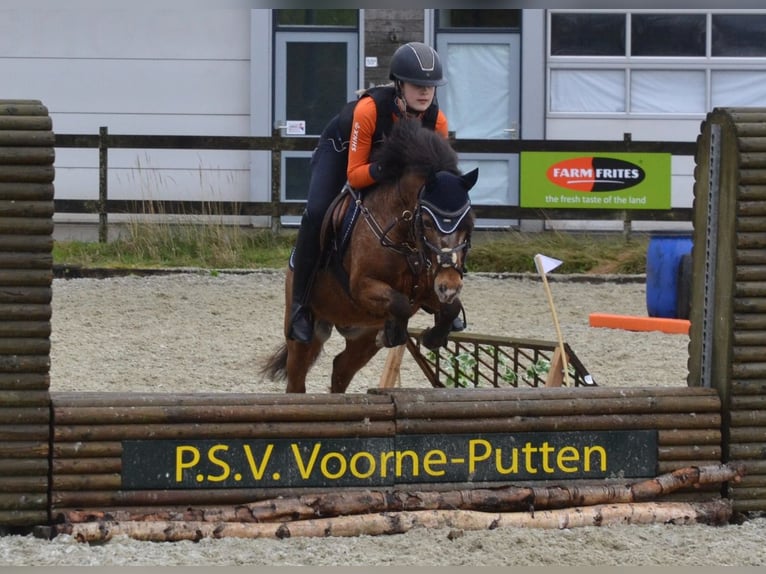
(387, 461)
(595, 181)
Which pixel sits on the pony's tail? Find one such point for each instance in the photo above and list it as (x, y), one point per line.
(275, 367)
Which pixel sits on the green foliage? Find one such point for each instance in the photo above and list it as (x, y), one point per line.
(220, 246)
(203, 246)
(514, 252)
(459, 369)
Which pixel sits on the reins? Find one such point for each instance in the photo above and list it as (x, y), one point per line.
(382, 233)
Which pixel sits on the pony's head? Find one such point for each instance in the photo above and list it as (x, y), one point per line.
(446, 222)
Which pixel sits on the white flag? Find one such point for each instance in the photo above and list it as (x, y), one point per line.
(546, 264)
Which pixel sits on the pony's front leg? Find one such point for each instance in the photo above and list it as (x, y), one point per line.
(436, 336)
(395, 329)
(381, 300)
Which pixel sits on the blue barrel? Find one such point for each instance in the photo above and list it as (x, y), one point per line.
(663, 258)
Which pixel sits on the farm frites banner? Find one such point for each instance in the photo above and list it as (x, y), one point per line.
(595, 181)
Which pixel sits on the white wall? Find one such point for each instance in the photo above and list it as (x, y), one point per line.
(171, 71)
(181, 69)
(261, 105)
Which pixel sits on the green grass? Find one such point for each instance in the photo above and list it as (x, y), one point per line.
(229, 247)
(205, 246)
(580, 252)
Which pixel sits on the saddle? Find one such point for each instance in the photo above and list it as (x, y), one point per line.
(335, 233)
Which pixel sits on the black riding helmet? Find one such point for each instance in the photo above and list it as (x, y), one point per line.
(417, 64)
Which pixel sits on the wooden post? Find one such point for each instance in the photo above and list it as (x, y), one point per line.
(26, 242)
(276, 180)
(391, 370)
(556, 371)
(103, 184)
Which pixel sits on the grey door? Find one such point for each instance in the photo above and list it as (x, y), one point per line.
(481, 101)
(315, 74)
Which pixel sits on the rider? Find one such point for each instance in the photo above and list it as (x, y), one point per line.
(343, 154)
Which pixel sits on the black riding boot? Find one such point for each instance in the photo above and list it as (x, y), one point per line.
(305, 261)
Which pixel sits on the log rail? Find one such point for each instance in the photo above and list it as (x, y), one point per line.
(89, 430)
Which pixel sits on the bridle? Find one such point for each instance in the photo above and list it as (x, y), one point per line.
(418, 257)
(448, 258)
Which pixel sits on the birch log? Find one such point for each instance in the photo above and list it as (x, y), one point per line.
(716, 512)
(501, 499)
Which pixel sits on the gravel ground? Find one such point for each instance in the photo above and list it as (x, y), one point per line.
(197, 332)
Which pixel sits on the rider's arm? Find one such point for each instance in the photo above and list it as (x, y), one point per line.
(360, 172)
(360, 144)
(441, 124)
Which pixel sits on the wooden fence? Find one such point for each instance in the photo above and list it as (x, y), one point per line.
(276, 208)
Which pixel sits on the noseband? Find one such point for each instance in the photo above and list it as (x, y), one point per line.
(448, 258)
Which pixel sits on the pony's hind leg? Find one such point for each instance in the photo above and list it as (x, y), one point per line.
(300, 358)
(356, 355)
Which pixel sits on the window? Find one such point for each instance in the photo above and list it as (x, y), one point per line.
(588, 91)
(588, 35)
(472, 19)
(667, 35)
(657, 91)
(327, 18)
(738, 89)
(739, 35)
(644, 62)
(296, 173)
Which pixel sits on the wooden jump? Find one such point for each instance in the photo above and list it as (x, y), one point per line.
(67, 454)
(727, 347)
(26, 273)
(91, 429)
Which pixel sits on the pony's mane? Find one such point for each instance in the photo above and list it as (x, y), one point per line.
(411, 147)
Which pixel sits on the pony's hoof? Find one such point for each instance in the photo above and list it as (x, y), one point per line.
(394, 334)
(433, 340)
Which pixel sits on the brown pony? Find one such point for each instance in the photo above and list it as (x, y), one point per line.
(406, 252)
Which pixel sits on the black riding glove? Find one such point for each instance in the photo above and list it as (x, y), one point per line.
(376, 171)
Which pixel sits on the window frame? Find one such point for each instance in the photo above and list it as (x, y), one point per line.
(442, 27)
(629, 63)
(277, 27)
